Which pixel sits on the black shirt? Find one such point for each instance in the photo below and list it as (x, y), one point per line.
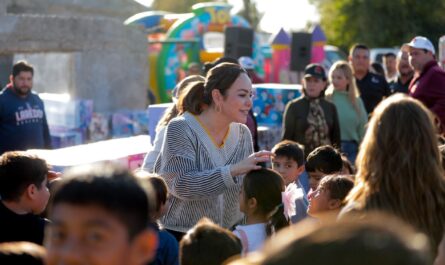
(398, 87)
(17, 227)
(373, 88)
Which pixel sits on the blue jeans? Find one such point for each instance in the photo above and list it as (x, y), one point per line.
(350, 149)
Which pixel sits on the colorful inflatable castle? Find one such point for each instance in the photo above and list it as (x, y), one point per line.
(177, 40)
(280, 44)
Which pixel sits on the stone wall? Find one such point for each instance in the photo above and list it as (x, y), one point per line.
(94, 57)
(120, 9)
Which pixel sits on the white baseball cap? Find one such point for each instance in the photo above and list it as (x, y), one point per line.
(246, 62)
(419, 42)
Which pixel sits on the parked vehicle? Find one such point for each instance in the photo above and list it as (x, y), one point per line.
(332, 54)
(376, 54)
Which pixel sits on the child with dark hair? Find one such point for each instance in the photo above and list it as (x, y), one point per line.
(22, 253)
(261, 203)
(329, 196)
(168, 248)
(100, 215)
(208, 244)
(24, 195)
(322, 161)
(348, 168)
(375, 240)
(288, 160)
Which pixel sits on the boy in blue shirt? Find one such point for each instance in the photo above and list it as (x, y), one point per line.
(288, 160)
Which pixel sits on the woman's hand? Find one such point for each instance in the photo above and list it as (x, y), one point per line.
(250, 163)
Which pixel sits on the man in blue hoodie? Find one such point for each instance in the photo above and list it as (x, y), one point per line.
(23, 122)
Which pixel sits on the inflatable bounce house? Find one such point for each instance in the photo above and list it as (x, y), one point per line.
(280, 44)
(177, 40)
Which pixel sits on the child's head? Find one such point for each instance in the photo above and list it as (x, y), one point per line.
(22, 253)
(348, 168)
(160, 190)
(23, 180)
(100, 215)
(288, 160)
(261, 196)
(375, 240)
(329, 195)
(322, 161)
(208, 244)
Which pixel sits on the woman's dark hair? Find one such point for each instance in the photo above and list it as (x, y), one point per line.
(199, 94)
(210, 65)
(266, 186)
(173, 110)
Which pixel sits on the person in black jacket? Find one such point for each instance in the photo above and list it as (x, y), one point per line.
(310, 119)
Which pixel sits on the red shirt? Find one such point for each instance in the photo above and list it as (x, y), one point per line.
(429, 88)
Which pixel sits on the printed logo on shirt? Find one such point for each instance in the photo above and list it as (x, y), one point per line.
(375, 80)
(28, 115)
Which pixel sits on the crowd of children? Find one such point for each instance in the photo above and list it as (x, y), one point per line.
(105, 214)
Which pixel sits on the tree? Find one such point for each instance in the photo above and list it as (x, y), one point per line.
(251, 13)
(176, 6)
(380, 23)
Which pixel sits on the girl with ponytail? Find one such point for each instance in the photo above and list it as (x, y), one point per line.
(261, 203)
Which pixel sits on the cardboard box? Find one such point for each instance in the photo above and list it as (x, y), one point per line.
(127, 123)
(62, 111)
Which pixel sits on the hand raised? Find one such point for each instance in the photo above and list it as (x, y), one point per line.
(250, 163)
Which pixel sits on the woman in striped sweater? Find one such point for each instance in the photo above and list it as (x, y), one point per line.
(207, 150)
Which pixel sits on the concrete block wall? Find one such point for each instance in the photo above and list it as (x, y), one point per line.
(94, 57)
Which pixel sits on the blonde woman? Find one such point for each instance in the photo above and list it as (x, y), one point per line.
(352, 114)
(399, 167)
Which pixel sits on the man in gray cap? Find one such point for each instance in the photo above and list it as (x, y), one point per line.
(428, 84)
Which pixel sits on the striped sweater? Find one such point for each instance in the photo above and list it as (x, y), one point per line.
(197, 173)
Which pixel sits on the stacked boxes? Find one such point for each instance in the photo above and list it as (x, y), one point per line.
(68, 119)
(127, 123)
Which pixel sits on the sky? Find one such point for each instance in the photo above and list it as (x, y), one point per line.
(289, 14)
(292, 15)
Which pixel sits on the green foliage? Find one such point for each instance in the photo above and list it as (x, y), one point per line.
(176, 6)
(380, 23)
(251, 13)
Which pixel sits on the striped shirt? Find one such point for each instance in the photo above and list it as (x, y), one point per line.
(197, 173)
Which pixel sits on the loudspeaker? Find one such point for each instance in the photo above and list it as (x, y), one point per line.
(238, 42)
(301, 51)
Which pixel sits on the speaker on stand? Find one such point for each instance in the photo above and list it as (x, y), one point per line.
(301, 53)
(238, 42)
